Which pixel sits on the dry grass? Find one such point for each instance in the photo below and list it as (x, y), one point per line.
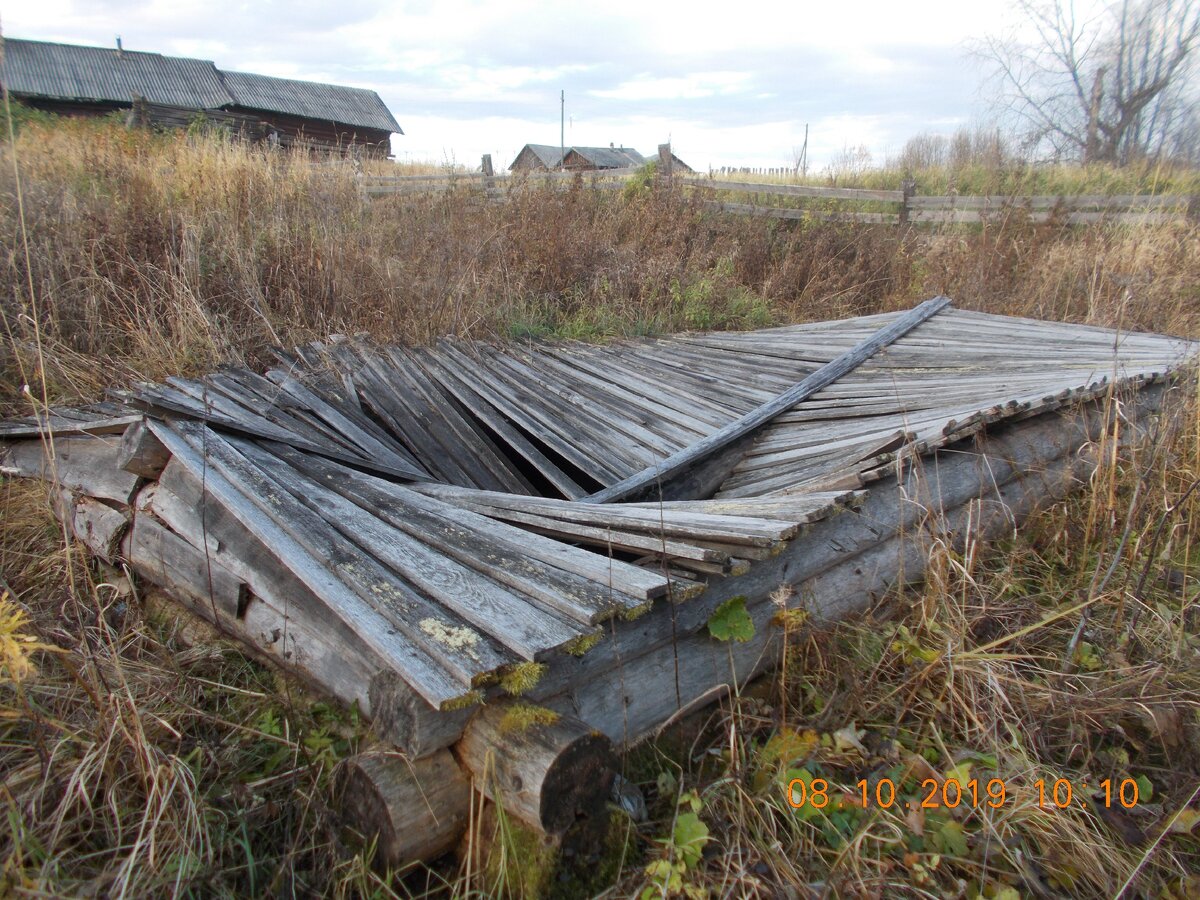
(992, 670)
(137, 764)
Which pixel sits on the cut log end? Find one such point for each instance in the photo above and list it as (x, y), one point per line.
(413, 810)
(549, 774)
(578, 783)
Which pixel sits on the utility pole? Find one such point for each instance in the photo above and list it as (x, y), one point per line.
(562, 128)
(801, 167)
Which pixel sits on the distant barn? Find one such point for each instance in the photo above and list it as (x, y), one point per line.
(547, 158)
(68, 79)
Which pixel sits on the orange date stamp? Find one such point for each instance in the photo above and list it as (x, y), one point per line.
(951, 793)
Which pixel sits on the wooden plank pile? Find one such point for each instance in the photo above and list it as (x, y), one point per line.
(427, 532)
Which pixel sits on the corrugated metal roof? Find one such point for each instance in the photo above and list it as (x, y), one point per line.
(70, 72)
(310, 100)
(102, 74)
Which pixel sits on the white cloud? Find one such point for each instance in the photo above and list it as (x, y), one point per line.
(464, 77)
(692, 86)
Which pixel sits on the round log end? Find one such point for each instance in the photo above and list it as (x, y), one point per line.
(414, 809)
(578, 783)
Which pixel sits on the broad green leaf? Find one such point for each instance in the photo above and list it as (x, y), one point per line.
(951, 839)
(731, 621)
(689, 837)
(1145, 789)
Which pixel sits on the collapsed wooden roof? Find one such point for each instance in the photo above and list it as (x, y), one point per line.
(449, 513)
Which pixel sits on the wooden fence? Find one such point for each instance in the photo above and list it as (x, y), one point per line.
(799, 201)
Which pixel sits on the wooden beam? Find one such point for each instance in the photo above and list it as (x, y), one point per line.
(400, 716)
(141, 453)
(415, 810)
(85, 464)
(548, 774)
(705, 459)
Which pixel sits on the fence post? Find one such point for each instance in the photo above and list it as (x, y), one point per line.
(489, 183)
(664, 162)
(909, 187)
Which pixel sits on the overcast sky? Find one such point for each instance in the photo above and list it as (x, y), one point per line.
(729, 83)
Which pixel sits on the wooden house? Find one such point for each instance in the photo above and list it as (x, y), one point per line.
(537, 158)
(546, 158)
(171, 91)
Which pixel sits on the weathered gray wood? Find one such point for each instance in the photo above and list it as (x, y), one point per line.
(578, 584)
(481, 409)
(798, 190)
(612, 538)
(85, 464)
(1128, 202)
(859, 573)
(189, 574)
(414, 810)
(141, 453)
(59, 423)
(400, 716)
(515, 622)
(100, 527)
(783, 212)
(159, 399)
(678, 522)
(659, 477)
(405, 651)
(283, 632)
(548, 775)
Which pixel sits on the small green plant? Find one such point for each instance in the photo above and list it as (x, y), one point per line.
(731, 622)
(683, 850)
(642, 183)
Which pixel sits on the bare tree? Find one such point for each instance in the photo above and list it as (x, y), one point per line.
(1111, 88)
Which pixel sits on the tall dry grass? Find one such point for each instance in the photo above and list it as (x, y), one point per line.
(154, 254)
(139, 763)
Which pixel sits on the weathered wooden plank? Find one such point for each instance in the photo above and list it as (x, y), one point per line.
(679, 522)
(493, 469)
(408, 651)
(1128, 202)
(582, 585)
(783, 212)
(507, 616)
(86, 464)
(612, 538)
(478, 406)
(659, 477)
(58, 422)
(279, 616)
(797, 190)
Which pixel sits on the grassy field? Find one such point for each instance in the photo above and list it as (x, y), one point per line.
(136, 762)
